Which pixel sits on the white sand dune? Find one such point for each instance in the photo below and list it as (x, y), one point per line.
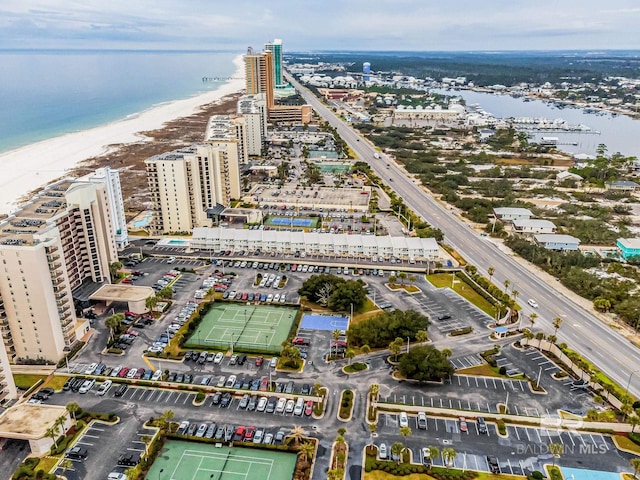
(33, 166)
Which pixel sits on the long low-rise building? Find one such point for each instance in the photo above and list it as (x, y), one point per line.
(216, 239)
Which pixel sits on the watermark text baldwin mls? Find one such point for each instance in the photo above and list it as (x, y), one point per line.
(533, 449)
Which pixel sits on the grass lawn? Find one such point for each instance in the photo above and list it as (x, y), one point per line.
(626, 444)
(24, 381)
(380, 475)
(46, 463)
(56, 382)
(441, 280)
(485, 370)
(407, 288)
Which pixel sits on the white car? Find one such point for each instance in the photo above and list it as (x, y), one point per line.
(117, 476)
(382, 450)
(221, 381)
(283, 298)
(270, 298)
(231, 381)
(262, 404)
(157, 375)
(533, 303)
(86, 386)
(276, 298)
(90, 369)
(218, 358)
(104, 388)
(403, 420)
(290, 406)
(281, 404)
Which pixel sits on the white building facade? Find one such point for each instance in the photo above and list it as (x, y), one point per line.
(339, 245)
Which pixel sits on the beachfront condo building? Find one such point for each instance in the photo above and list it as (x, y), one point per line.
(7, 384)
(254, 109)
(259, 74)
(60, 243)
(229, 131)
(275, 48)
(111, 180)
(189, 184)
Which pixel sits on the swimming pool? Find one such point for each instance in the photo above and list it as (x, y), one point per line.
(144, 221)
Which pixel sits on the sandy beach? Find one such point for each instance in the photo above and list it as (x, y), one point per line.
(28, 168)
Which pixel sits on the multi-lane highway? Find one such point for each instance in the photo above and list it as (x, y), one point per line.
(581, 330)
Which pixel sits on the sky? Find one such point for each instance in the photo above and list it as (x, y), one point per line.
(418, 25)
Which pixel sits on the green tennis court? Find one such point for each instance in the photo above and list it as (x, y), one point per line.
(180, 460)
(244, 327)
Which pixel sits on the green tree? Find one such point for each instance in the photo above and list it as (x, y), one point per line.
(146, 439)
(52, 433)
(491, 271)
(374, 391)
(602, 304)
(392, 279)
(306, 450)
(405, 432)
(556, 449)
(395, 347)
(402, 276)
(166, 293)
(532, 319)
(372, 429)
(557, 321)
(114, 268)
(365, 349)
(350, 354)
(65, 465)
(412, 279)
(396, 451)
(448, 456)
(380, 330)
(317, 387)
(425, 363)
(151, 302)
(296, 436)
(635, 464)
(73, 408)
(434, 453)
(422, 336)
(113, 323)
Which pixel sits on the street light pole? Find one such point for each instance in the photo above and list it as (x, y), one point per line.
(626, 390)
(161, 470)
(407, 344)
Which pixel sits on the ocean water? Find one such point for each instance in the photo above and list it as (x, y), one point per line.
(44, 93)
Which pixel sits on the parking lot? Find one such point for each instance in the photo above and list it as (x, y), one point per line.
(522, 450)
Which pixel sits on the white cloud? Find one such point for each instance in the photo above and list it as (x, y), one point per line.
(320, 24)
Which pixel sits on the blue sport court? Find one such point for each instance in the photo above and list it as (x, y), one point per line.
(292, 221)
(312, 321)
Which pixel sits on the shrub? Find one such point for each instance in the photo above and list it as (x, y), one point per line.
(502, 428)
(635, 438)
(503, 370)
(536, 475)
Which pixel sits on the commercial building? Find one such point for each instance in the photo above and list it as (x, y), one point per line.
(254, 110)
(259, 77)
(229, 132)
(629, 247)
(187, 184)
(60, 241)
(532, 226)
(557, 242)
(357, 245)
(275, 48)
(298, 114)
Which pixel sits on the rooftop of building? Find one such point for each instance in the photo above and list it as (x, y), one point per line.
(29, 420)
(122, 293)
(33, 217)
(555, 238)
(629, 242)
(220, 127)
(531, 222)
(173, 154)
(512, 211)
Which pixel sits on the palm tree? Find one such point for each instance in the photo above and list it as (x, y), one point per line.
(506, 284)
(635, 463)
(556, 325)
(412, 279)
(65, 465)
(336, 334)
(165, 418)
(395, 347)
(396, 450)
(73, 408)
(532, 319)
(448, 456)
(306, 451)
(446, 352)
(151, 302)
(392, 279)
(296, 436)
(556, 449)
(52, 433)
(372, 429)
(316, 388)
(433, 452)
(626, 408)
(552, 339)
(528, 334)
(490, 272)
(132, 472)
(422, 336)
(402, 276)
(374, 391)
(365, 349)
(146, 439)
(514, 295)
(634, 421)
(335, 474)
(405, 432)
(349, 354)
(60, 422)
(113, 323)
(342, 431)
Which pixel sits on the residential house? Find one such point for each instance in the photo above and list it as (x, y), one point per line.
(552, 241)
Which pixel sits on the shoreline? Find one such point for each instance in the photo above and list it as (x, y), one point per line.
(32, 167)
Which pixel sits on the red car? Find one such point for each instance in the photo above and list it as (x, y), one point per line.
(300, 341)
(264, 384)
(248, 434)
(463, 424)
(127, 280)
(259, 360)
(123, 373)
(308, 407)
(245, 295)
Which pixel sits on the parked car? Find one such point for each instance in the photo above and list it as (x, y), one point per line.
(77, 453)
(422, 421)
(403, 420)
(494, 466)
(482, 426)
(463, 425)
(382, 451)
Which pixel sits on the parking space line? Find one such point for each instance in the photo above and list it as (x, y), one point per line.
(516, 407)
(80, 442)
(177, 397)
(593, 440)
(571, 438)
(510, 468)
(521, 386)
(526, 430)
(538, 433)
(517, 434)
